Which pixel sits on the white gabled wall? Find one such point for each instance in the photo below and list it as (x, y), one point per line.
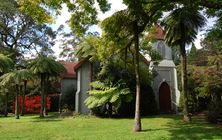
(165, 72)
(83, 85)
(78, 90)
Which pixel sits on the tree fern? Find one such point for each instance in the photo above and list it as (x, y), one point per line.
(5, 63)
(103, 93)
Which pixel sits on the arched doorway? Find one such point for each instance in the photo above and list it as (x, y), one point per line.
(164, 98)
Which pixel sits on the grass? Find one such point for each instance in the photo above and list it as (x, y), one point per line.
(91, 128)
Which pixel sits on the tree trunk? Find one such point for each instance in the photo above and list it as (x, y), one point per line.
(46, 94)
(60, 103)
(17, 102)
(23, 99)
(42, 95)
(110, 110)
(137, 119)
(45, 105)
(186, 116)
(6, 105)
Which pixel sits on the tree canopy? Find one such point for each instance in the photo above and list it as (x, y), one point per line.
(20, 34)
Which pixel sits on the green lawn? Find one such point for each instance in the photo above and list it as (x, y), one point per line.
(92, 128)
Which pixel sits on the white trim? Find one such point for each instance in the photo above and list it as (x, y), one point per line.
(77, 107)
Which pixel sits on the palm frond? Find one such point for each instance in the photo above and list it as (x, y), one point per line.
(8, 78)
(46, 65)
(15, 77)
(114, 98)
(182, 25)
(5, 63)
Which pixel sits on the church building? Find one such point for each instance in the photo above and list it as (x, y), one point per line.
(165, 85)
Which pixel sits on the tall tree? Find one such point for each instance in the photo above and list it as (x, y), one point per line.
(19, 32)
(26, 75)
(182, 26)
(125, 27)
(212, 43)
(43, 67)
(212, 46)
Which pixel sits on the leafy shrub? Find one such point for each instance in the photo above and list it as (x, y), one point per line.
(214, 112)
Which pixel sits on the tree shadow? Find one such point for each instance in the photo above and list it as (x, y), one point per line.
(48, 118)
(197, 129)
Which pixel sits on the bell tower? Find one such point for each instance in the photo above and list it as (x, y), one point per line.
(165, 83)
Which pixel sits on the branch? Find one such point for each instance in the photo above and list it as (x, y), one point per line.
(5, 40)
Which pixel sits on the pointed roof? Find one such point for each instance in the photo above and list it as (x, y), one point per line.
(70, 73)
(159, 33)
(79, 64)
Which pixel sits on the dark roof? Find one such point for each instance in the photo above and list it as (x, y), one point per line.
(79, 64)
(70, 72)
(72, 67)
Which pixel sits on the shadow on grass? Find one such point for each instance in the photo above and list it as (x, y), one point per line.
(49, 118)
(198, 129)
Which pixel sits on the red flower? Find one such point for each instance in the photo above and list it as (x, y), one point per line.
(32, 104)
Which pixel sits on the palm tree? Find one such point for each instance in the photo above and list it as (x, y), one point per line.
(4, 91)
(15, 78)
(182, 26)
(25, 75)
(9, 78)
(44, 67)
(5, 64)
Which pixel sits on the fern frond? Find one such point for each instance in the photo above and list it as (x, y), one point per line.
(114, 98)
(125, 91)
(117, 103)
(103, 93)
(98, 85)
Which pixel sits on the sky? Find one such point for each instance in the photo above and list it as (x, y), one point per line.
(65, 15)
(116, 5)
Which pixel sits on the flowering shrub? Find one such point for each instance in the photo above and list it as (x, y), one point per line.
(32, 104)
